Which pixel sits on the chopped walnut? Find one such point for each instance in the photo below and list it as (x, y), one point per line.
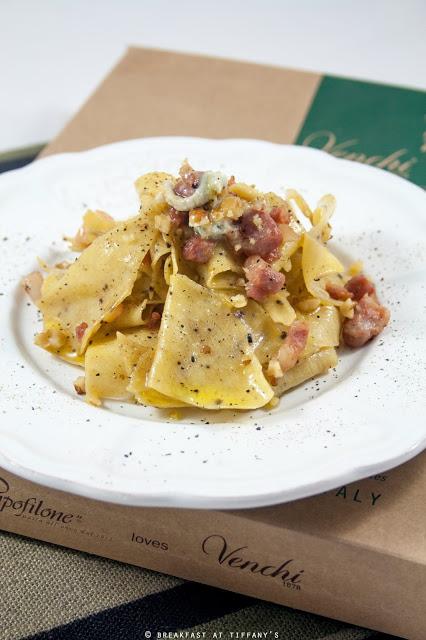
(274, 371)
(80, 385)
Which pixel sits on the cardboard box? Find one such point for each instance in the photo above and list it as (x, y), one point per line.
(357, 553)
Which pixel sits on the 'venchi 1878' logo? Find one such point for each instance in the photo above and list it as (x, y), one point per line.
(236, 558)
(399, 161)
(30, 507)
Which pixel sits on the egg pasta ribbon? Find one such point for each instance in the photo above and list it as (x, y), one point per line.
(213, 360)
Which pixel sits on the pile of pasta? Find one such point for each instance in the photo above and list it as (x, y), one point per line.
(149, 326)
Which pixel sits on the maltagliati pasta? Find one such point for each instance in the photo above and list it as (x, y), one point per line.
(214, 295)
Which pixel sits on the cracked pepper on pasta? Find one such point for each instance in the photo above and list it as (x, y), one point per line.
(214, 295)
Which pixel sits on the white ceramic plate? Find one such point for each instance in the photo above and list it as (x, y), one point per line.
(366, 417)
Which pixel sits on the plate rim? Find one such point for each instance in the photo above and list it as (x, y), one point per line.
(359, 166)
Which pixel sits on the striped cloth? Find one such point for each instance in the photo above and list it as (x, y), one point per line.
(51, 593)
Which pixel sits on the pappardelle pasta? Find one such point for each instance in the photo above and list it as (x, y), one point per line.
(214, 295)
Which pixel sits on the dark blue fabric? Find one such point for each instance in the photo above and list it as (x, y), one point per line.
(181, 607)
(172, 610)
(16, 163)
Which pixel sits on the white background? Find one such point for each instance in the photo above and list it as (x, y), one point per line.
(53, 53)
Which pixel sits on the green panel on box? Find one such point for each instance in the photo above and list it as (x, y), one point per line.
(371, 123)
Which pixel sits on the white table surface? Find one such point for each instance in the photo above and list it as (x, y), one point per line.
(53, 53)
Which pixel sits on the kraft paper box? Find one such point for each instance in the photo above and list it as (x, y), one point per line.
(357, 553)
